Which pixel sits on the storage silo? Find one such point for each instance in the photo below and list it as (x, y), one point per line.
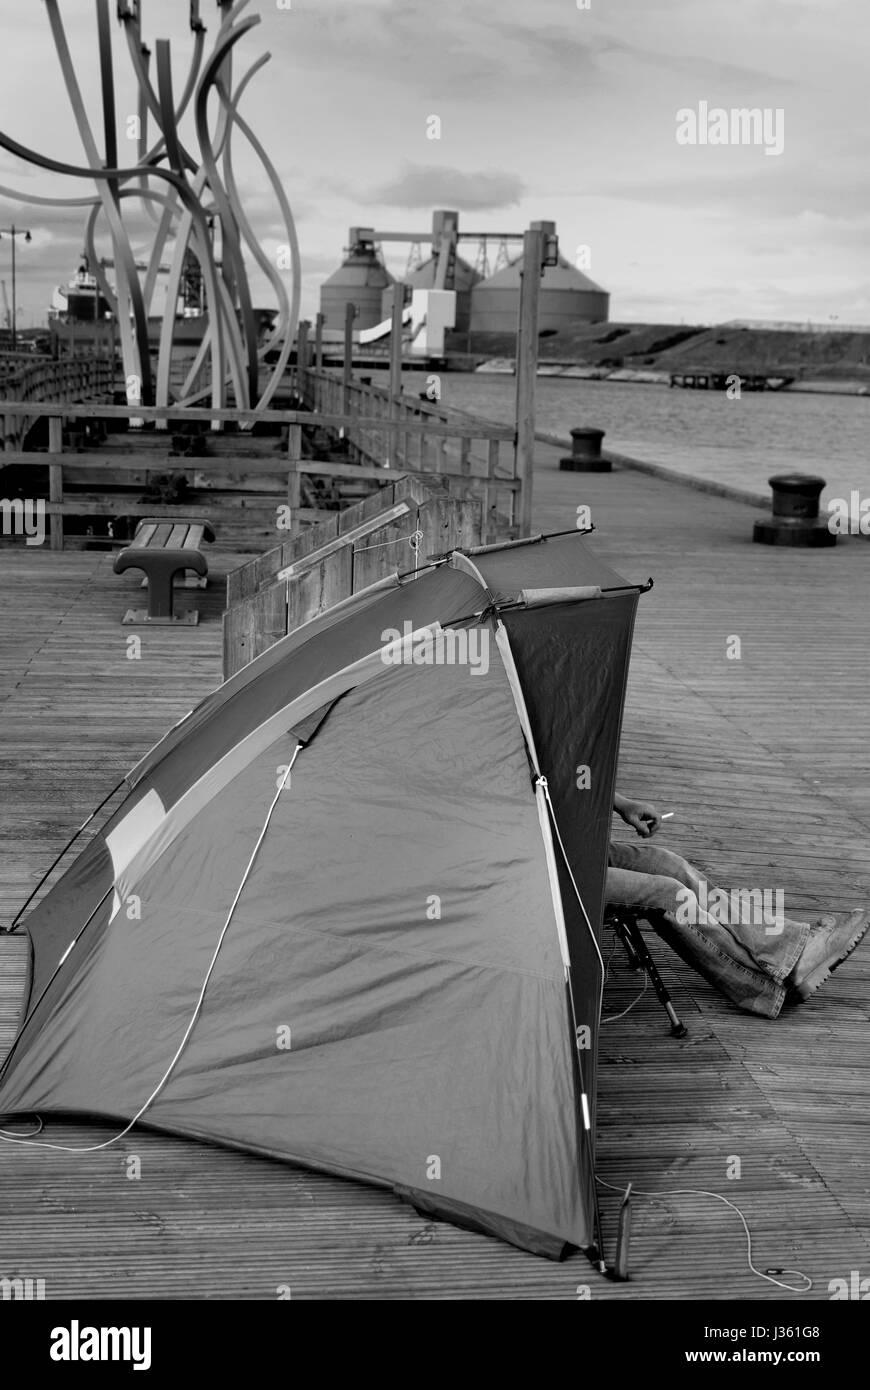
(361, 279)
(462, 278)
(567, 298)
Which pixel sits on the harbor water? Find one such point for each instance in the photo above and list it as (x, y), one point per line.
(739, 442)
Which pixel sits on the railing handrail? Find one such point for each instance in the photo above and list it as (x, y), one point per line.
(425, 407)
(337, 419)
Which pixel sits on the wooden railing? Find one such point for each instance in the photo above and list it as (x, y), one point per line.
(14, 363)
(411, 435)
(400, 528)
(444, 439)
(46, 379)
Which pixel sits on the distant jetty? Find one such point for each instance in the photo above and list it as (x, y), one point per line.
(833, 361)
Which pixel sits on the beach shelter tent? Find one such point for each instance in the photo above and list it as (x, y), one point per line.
(347, 914)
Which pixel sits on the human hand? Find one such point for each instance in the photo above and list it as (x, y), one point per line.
(642, 817)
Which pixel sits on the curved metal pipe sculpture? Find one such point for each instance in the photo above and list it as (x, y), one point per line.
(200, 199)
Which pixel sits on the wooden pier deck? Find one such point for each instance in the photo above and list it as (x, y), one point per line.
(765, 763)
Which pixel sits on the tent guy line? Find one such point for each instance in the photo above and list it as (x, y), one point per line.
(702, 1192)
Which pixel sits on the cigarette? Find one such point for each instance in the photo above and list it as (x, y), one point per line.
(668, 816)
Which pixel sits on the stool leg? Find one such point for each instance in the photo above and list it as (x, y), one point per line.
(641, 950)
(622, 931)
(160, 591)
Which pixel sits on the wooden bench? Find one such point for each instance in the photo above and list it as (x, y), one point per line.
(163, 549)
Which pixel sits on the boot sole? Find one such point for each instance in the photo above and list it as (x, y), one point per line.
(823, 972)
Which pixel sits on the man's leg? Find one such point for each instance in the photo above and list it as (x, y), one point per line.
(747, 961)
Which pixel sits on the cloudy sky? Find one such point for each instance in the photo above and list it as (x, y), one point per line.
(547, 110)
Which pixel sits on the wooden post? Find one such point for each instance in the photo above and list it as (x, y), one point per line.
(391, 449)
(318, 343)
(55, 478)
(490, 495)
(537, 241)
(396, 342)
(302, 355)
(347, 364)
(294, 478)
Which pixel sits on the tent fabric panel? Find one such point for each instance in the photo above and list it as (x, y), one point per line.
(112, 998)
(65, 908)
(411, 1036)
(289, 668)
(305, 657)
(227, 768)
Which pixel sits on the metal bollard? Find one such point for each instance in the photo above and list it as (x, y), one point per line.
(795, 520)
(585, 453)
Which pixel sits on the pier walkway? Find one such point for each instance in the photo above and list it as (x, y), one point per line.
(738, 473)
(734, 472)
(764, 761)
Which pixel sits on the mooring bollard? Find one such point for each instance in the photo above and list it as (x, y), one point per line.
(795, 519)
(585, 453)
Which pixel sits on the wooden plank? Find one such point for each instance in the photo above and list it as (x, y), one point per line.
(206, 469)
(144, 531)
(253, 625)
(312, 538)
(382, 552)
(227, 506)
(317, 588)
(369, 506)
(345, 538)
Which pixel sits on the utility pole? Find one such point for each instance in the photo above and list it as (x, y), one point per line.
(13, 232)
(540, 249)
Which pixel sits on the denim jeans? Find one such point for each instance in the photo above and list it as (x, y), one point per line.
(746, 959)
